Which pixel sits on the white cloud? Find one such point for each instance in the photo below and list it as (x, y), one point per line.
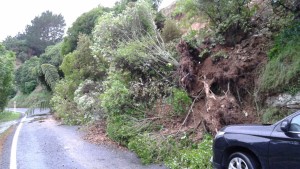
(16, 14)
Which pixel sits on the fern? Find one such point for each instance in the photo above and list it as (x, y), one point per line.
(51, 74)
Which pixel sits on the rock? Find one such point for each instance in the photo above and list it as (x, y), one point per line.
(285, 101)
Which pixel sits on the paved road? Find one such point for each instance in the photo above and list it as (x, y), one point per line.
(44, 144)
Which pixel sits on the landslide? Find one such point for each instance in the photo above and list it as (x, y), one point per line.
(221, 80)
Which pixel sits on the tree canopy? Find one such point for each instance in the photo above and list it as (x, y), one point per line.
(6, 75)
(83, 25)
(45, 30)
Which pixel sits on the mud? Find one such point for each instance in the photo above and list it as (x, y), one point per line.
(224, 80)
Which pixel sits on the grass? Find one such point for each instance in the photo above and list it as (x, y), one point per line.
(9, 116)
(26, 101)
(281, 73)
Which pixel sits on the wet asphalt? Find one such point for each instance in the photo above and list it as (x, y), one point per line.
(45, 144)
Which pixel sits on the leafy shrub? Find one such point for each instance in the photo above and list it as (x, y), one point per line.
(231, 19)
(87, 100)
(170, 31)
(148, 92)
(219, 55)
(153, 149)
(116, 95)
(187, 7)
(180, 101)
(52, 55)
(121, 128)
(6, 75)
(193, 158)
(26, 77)
(63, 104)
(84, 24)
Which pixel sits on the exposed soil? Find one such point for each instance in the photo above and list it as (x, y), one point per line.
(223, 81)
(96, 134)
(221, 85)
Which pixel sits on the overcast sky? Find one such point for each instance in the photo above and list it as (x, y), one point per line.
(16, 14)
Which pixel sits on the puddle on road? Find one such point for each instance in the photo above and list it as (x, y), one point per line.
(38, 119)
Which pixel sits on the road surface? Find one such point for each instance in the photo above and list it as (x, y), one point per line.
(44, 144)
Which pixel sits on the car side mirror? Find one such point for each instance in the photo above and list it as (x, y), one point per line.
(284, 125)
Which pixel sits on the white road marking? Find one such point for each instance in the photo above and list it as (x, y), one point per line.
(13, 152)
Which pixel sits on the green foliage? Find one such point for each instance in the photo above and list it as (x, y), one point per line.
(121, 128)
(187, 7)
(273, 114)
(112, 30)
(148, 92)
(87, 99)
(6, 75)
(219, 55)
(9, 116)
(180, 101)
(18, 45)
(67, 66)
(63, 105)
(153, 149)
(116, 96)
(26, 76)
(283, 7)
(288, 35)
(170, 31)
(282, 71)
(52, 55)
(231, 19)
(51, 74)
(81, 64)
(193, 158)
(121, 5)
(84, 24)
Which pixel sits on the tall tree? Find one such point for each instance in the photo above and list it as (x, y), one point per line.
(83, 25)
(45, 30)
(6, 75)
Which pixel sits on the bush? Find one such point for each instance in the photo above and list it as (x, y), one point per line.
(231, 19)
(180, 101)
(120, 128)
(116, 96)
(63, 104)
(87, 100)
(26, 77)
(193, 158)
(153, 149)
(52, 55)
(6, 75)
(170, 31)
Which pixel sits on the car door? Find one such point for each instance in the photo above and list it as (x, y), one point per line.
(284, 147)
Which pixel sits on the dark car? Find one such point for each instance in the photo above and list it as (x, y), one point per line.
(274, 146)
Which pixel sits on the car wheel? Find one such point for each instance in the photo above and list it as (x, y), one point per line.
(240, 160)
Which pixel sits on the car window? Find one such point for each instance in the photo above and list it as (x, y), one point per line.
(295, 124)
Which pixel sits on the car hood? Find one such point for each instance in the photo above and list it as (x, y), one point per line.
(249, 129)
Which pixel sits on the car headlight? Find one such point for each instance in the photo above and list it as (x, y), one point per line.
(220, 134)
